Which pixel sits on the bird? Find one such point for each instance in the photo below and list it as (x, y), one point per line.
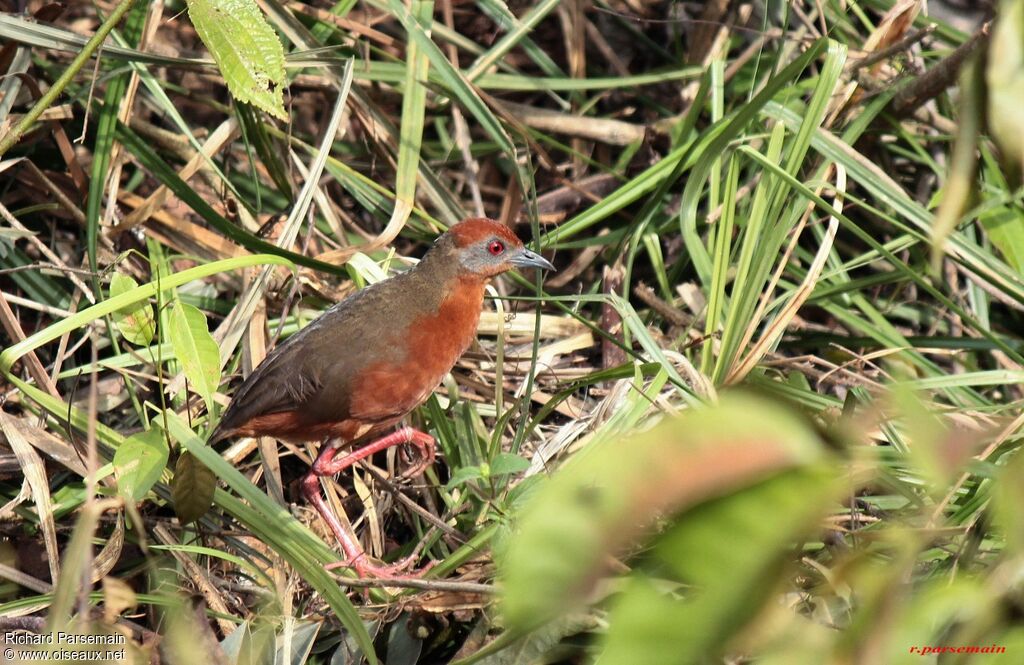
(353, 374)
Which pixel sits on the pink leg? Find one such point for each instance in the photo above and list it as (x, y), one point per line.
(326, 465)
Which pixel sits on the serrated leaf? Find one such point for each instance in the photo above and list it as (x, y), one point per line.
(196, 350)
(138, 464)
(246, 49)
(135, 322)
(192, 488)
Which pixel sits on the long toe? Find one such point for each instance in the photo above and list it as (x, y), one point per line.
(395, 571)
(424, 457)
(416, 470)
(399, 570)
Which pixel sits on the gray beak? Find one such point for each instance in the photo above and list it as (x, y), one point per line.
(527, 259)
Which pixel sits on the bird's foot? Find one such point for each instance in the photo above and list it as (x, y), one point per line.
(426, 450)
(399, 570)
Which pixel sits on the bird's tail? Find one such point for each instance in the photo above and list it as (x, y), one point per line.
(218, 434)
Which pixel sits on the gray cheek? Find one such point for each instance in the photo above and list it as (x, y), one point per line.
(473, 262)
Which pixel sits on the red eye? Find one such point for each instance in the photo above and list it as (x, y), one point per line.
(496, 247)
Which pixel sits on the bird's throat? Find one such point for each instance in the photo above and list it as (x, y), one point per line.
(444, 335)
(433, 343)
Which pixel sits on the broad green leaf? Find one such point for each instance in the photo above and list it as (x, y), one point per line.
(135, 322)
(139, 462)
(196, 350)
(192, 488)
(1005, 77)
(296, 641)
(248, 52)
(404, 646)
(1005, 228)
(464, 475)
(729, 552)
(505, 464)
(607, 497)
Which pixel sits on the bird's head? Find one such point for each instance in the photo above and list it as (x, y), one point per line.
(486, 248)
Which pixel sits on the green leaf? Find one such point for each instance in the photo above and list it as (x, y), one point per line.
(464, 475)
(192, 488)
(247, 50)
(730, 553)
(605, 499)
(507, 650)
(1005, 77)
(196, 350)
(505, 464)
(1005, 228)
(1003, 223)
(139, 462)
(136, 321)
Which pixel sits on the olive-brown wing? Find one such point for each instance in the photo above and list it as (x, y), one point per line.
(308, 378)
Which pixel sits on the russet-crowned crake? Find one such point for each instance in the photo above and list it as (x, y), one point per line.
(365, 363)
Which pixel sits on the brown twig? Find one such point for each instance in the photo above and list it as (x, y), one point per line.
(939, 77)
(429, 517)
(427, 585)
(32, 362)
(664, 308)
(343, 24)
(891, 50)
(612, 354)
